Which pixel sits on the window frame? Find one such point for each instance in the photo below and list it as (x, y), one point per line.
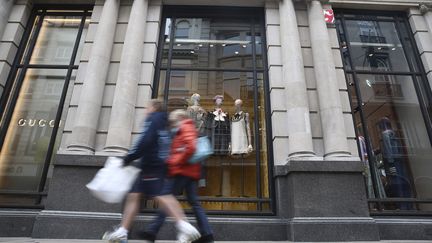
(174, 12)
(16, 77)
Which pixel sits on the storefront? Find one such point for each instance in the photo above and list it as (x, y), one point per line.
(317, 127)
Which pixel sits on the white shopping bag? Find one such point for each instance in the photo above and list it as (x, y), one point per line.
(113, 181)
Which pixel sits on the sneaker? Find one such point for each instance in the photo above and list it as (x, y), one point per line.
(115, 236)
(182, 238)
(187, 232)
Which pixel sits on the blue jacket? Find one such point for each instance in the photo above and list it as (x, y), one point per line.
(153, 144)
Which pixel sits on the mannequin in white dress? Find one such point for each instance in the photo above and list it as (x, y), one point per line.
(241, 139)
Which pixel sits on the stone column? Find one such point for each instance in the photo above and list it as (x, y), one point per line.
(299, 130)
(123, 109)
(330, 108)
(5, 9)
(89, 106)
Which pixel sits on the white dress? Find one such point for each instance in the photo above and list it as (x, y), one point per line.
(239, 137)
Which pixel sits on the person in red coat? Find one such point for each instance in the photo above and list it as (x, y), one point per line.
(182, 176)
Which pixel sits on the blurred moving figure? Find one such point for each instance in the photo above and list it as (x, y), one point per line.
(152, 148)
(183, 176)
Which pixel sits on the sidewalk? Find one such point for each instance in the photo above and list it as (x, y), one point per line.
(30, 240)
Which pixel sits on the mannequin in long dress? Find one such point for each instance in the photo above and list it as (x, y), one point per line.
(197, 113)
(241, 139)
(218, 130)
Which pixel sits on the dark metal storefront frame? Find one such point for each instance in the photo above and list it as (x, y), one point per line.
(256, 17)
(421, 86)
(16, 77)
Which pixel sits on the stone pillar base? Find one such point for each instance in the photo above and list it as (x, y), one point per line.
(324, 197)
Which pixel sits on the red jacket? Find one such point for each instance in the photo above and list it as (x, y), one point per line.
(182, 148)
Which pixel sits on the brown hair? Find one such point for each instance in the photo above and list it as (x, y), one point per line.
(158, 105)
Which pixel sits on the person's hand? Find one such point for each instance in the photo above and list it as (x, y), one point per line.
(249, 148)
(125, 162)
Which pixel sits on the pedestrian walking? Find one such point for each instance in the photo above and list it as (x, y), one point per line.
(182, 176)
(152, 148)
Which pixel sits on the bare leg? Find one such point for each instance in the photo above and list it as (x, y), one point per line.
(131, 209)
(171, 207)
(185, 231)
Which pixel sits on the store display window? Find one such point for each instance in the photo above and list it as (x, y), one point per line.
(211, 64)
(31, 110)
(390, 101)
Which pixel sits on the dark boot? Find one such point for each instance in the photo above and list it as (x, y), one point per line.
(146, 236)
(204, 239)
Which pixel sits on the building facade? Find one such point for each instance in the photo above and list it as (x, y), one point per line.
(333, 135)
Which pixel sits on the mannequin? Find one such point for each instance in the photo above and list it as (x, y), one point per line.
(395, 163)
(241, 141)
(218, 130)
(197, 113)
(218, 127)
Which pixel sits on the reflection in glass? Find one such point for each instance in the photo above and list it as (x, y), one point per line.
(216, 42)
(392, 135)
(56, 40)
(375, 46)
(399, 140)
(28, 136)
(32, 115)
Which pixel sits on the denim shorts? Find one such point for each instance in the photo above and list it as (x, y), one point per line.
(175, 185)
(150, 184)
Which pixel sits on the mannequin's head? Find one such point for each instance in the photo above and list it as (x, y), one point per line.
(238, 104)
(218, 99)
(385, 124)
(195, 98)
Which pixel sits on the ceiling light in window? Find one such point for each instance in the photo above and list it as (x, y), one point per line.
(371, 55)
(211, 45)
(179, 44)
(244, 46)
(200, 45)
(192, 52)
(380, 48)
(369, 83)
(236, 52)
(224, 44)
(394, 49)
